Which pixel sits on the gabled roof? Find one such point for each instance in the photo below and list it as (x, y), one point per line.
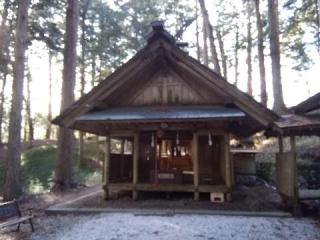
(304, 120)
(162, 52)
(312, 103)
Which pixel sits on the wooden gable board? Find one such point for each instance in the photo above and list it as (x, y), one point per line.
(167, 88)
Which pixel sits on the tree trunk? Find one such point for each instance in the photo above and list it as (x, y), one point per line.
(25, 126)
(222, 54)
(273, 18)
(205, 45)
(13, 184)
(262, 70)
(317, 3)
(209, 30)
(236, 58)
(28, 110)
(197, 32)
(2, 99)
(93, 70)
(85, 5)
(49, 117)
(4, 52)
(64, 162)
(249, 50)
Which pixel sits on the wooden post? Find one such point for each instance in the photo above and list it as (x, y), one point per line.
(296, 207)
(106, 169)
(135, 165)
(228, 165)
(280, 158)
(195, 158)
(280, 142)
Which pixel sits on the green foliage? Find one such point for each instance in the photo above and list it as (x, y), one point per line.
(2, 177)
(38, 169)
(45, 24)
(264, 170)
(301, 31)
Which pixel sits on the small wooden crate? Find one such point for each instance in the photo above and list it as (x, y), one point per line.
(217, 197)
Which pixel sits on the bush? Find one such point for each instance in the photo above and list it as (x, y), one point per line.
(37, 168)
(265, 170)
(2, 179)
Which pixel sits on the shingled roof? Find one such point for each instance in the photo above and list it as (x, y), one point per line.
(311, 104)
(161, 51)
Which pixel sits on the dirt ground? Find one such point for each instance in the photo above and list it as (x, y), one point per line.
(38, 204)
(245, 198)
(125, 226)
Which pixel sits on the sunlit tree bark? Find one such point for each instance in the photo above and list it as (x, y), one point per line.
(273, 18)
(13, 182)
(64, 162)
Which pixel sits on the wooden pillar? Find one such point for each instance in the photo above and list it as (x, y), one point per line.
(296, 205)
(228, 165)
(280, 142)
(106, 167)
(135, 166)
(195, 158)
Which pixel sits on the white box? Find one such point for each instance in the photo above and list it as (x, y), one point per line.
(217, 197)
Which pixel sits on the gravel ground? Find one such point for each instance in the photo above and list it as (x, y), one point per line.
(128, 226)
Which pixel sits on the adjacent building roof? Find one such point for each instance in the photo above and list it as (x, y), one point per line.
(304, 119)
(298, 125)
(311, 104)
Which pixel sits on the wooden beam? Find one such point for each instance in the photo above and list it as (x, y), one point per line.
(124, 133)
(195, 158)
(106, 169)
(213, 132)
(115, 187)
(228, 164)
(135, 165)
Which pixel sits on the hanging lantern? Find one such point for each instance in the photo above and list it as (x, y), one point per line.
(152, 140)
(209, 139)
(177, 139)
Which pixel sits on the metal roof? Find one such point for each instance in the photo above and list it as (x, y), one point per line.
(162, 113)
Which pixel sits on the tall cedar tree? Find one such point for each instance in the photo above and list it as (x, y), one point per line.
(222, 54)
(64, 162)
(5, 35)
(12, 184)
(205, 45)
(273, 18)
(83, 17)
(29, 122)
(262, 70)
(236, 57)
(249, 49)
(49, 117)
(209, 30)
(197, 31)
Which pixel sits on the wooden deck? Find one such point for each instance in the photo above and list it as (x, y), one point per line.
(166, 187)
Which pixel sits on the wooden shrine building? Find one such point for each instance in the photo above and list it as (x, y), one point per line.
(168, 121)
